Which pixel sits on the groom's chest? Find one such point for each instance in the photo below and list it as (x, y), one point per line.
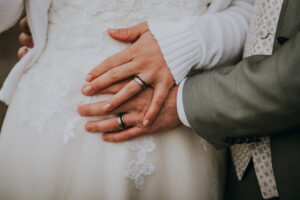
(263, 25)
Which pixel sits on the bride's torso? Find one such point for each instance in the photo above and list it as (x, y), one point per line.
(77, 41)
(83, 23)
(46, 101)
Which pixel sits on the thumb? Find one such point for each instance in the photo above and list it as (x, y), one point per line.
(128, 34)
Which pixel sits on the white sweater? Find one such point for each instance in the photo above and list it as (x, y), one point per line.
(200, 42)
(215, 38)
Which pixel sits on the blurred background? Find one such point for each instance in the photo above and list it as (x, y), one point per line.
(9, 45)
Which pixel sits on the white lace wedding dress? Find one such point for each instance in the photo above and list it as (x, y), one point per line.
(46, 154)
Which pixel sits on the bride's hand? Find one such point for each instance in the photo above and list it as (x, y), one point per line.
(143, 59)
(134, 112)
(25, 38)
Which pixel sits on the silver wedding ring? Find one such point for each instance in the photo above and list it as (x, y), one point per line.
(140, 81)
(121, 121)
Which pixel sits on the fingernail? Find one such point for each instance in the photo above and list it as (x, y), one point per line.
(80, 110)
(112, 30)
(89, 77)
(146, 122)
(88, 127)
(87, 89)
(104, 139)
(107, 107)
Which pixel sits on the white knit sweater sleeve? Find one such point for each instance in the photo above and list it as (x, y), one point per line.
(205, 41)
(10, 12)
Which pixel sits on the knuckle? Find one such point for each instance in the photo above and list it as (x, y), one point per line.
(108, 62)
(25, 39)
(21, 37)
(132, 70)
(94, 86)
(143, 61)
(114, 74)
(132, 51)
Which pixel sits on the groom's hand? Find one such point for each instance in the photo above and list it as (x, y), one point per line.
(134, 110)
(144, 59)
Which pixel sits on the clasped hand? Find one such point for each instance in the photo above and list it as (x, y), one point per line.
(143, 58)
(146, 110)
(134, 110)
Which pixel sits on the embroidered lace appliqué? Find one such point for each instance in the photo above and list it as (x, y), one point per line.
(137, 168)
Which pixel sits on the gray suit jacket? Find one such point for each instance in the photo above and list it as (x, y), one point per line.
(259, 96)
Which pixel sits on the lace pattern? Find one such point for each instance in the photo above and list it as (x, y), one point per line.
(77, 41)
(136, 168)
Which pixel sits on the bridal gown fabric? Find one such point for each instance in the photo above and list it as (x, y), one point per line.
(46, 154)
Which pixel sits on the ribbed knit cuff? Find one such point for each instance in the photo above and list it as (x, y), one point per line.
(178, 44)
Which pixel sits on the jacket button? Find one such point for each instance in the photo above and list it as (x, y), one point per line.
(282, 40)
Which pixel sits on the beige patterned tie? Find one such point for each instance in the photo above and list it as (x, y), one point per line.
(259, 41)
(261, 156)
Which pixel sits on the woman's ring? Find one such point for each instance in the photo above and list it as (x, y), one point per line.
(121, 121)
(140, 81)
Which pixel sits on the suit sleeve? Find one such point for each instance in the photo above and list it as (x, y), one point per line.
(10, 12)
(259, 96)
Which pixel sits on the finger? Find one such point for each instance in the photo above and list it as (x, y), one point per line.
(128, 34)
(24, 26)
(96, 109)
(111, 124)
(128, 91)
(159, 97)
(113, 61)
(112, 76)
(113, 89)
(92, 109)
(123, 135)
(26, 40)
(22, 52)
